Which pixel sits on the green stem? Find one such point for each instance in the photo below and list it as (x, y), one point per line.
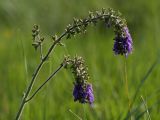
(126, 83)
(28, 91)
(35, 75)
(49, 78)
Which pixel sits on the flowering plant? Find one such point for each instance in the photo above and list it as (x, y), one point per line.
(82, 90)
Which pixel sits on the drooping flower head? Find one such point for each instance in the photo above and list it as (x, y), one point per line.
(83, 94)
(82, 91)
(123, 44)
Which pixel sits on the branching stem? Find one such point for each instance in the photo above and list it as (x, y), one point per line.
(49, 78)
(35, 75)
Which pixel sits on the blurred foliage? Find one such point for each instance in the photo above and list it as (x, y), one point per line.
(18, 58)
(57, 14)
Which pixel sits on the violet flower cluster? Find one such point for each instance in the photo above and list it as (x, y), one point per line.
(123, 41)
(83, 94)
(123, 44)
(82, 91)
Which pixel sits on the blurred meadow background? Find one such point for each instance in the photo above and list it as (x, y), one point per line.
(18, 60)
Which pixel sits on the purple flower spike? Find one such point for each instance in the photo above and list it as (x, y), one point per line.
(83, 94)
(123, 45)
(89, 92)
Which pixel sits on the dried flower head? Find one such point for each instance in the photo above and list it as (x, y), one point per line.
(37, 39)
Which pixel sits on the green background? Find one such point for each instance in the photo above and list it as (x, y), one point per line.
(18, 59)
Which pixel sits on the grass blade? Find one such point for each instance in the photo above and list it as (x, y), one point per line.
(140, 86)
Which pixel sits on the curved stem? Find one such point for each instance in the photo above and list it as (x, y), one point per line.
(49, 78)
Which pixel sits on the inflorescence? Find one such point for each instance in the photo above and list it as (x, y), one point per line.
(37, 39)
(123, 45)
(123, 41)
(111, 18)
(82, 91)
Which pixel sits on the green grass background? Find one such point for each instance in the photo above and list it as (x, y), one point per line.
(18, 59)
